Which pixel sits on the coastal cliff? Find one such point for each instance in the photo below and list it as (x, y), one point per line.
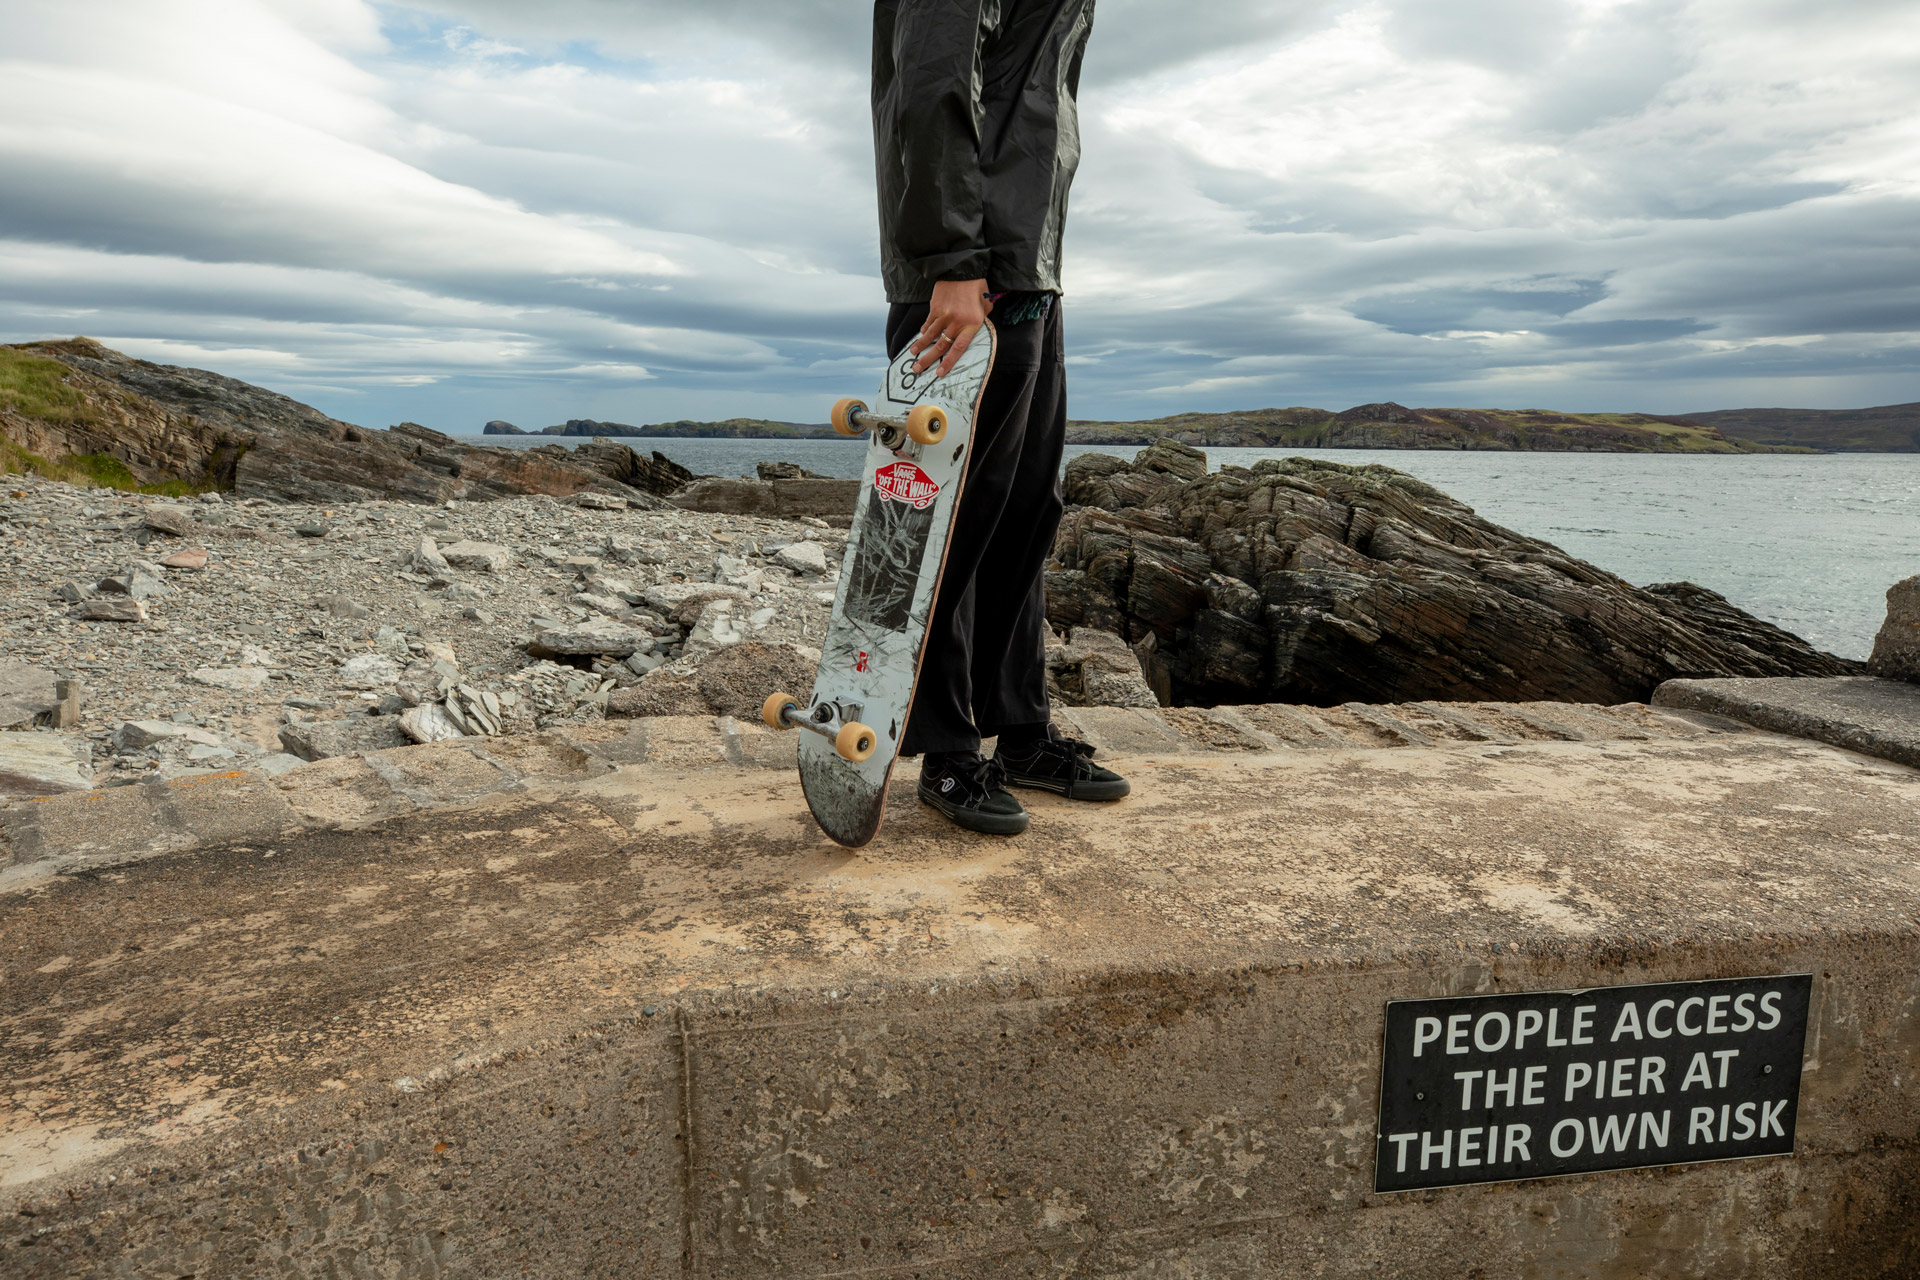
(80, 410)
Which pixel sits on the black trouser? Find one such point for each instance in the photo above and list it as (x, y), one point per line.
(985, 666)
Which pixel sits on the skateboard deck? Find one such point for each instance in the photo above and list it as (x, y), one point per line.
(870, 660)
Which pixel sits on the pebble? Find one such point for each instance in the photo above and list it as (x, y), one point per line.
(137, 580)
(233, 679)
(112, 611)
(177, 521)
(481, 557)
(345, 607)
(429, 723)
(187, 558)
(683, 601)
(803, 557)
(426, 557)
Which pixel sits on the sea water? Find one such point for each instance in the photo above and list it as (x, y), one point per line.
(1810, 542)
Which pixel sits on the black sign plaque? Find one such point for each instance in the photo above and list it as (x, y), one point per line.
(1533, 1085)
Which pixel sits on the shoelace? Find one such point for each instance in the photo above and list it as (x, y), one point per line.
(980, 781)
(1079, 754)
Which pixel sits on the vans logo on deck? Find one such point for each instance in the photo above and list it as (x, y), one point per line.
(905, 482)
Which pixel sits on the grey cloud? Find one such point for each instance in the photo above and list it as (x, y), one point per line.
(1642, 200)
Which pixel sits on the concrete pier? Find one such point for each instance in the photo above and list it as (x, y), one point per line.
(639, 1019)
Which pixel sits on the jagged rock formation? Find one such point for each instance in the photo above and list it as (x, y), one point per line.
(1896, 650)
(164, 422)
(1313, 582)
(1393, 426)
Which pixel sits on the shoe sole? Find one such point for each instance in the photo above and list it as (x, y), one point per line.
(987, 824)
(1118, 790)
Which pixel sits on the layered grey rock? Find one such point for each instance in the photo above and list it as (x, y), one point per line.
(232, 679)
(803, 557)
(601, 636)
(44, 764)
(1896, 650)
(136, 580)
(480, 557)
(683, 601)
(27, 693)
(174, 520)
(1315, 582)
(1096, 669)
(356, 735)
(111, 611)
(781, 498)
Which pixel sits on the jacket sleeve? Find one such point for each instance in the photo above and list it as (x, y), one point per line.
(933, 112)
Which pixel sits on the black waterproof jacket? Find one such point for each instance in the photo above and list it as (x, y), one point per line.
(976, 137)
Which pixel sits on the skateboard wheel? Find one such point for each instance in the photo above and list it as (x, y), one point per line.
(843, 411)
(927, 424)
(774, 711)
(856, 742)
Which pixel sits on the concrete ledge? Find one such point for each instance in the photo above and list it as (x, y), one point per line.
(651, 1023)
(1874, 717)
(119, 824)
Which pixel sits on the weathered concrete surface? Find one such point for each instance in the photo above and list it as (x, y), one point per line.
(650, 1023)
(118, 824)
(1861, 713)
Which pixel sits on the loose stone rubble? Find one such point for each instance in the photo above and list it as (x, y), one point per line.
(214, 634)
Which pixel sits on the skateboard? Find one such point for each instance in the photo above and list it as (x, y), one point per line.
(918, 434)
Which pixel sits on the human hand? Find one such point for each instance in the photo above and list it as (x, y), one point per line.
(957, 312)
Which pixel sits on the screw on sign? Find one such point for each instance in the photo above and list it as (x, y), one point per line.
(905, 482)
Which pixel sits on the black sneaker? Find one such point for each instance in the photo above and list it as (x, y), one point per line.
(972, 792)
(1061, 765)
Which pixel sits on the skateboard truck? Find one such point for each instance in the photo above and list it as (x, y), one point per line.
(837, 723)
(925, 424)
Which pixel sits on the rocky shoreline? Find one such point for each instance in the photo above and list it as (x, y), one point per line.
(156, 638)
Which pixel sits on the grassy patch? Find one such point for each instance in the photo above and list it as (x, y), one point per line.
(97, 470)
(36, 387)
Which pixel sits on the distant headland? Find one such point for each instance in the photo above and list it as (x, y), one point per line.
(1889, 429)
(731, 429)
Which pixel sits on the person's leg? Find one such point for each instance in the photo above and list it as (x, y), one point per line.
(1010, 626)
(1009, 674)
(941, 720)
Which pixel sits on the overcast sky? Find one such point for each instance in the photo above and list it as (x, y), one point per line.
(642, 210)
